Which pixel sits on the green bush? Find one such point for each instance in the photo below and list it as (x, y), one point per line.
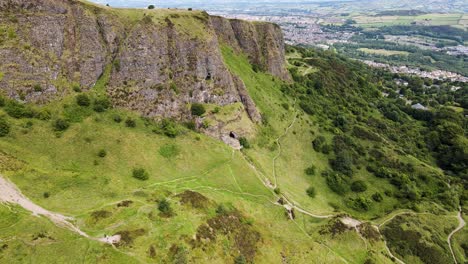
(140, 174)
(318, 143)
(343, 163)
(117, 65)
(197, 109)
(37, 88)
(310, 170)
(277, 190)
(359, 204)
(83, 100)
(101, 105)
(61, 124)
(337, 182)
(377, 197)
(151, 7)
(169, 151)
(244, 142)
(169, 128)
(76, 88)
(17, 110)
(164, 206)
(130, 122)
(358, 186)
(4, 127)
(311, 192)
(2, 101)
(191, 125)
(240, 260)
(102, 153)
(117, 119)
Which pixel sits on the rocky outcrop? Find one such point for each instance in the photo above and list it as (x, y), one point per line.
(263, 43)
(154, 63)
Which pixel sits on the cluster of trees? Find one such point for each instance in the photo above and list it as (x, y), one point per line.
(344, 97)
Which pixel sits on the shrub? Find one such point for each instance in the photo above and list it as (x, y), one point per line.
(46, 195)
(377, 197)
(358, 186)
(337, 182)
(117, 65)
(169, 128)
(151, 7)
(17, 110)
(216, 110)
(165, 208)
(169, 151)
(244, 142)
(117, 119)
(61, 125)
(197, 109)
(102, 153)
(311, 192)
(83, 100)
(4, 127)
(343, 163)
(140, 174)
(101, 105)
(77, 88)
(277, 190)
(240, 260)
(37, 88)
(2, 101)
(191, 125)
(130, 122)
(360, 203)
(318, 143)
(310, 170)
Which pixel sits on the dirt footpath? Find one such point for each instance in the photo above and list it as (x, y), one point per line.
(9, 193)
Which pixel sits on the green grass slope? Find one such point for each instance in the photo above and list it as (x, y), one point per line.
(204, 202)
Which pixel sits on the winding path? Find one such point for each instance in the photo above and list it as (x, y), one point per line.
(279, 145)
(461, 225)
(9, 193)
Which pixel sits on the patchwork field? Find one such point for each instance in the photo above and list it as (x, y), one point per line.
(458, 20)
(383, 52)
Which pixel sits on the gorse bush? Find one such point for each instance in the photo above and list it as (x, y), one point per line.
(197, 109)
(310, 170)
(140, 174)
(101, 105)
(244, 142)
(311, 192)
(102, 153)
(61, 124)
(4, 127)
(117, 119)
(17, 110)
(169, 128)
(130, 122)
(358, 186)
(83, 100)
(164, 206)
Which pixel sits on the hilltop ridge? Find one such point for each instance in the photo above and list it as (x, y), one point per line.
(150, 60)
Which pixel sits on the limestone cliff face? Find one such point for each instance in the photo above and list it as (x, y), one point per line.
(154, 62)
(263, 43)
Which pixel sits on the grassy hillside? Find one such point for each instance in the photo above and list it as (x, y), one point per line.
(329, 143)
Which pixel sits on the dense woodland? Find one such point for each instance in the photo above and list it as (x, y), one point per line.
(374, 131)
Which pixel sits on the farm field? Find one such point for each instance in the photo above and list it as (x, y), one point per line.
(383, 52)
(458, 20)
